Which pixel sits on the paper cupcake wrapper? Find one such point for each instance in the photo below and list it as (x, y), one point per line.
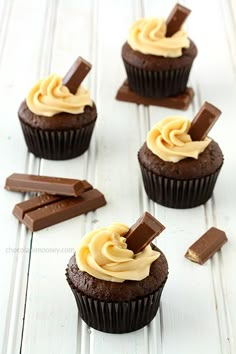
(57, 144)
(117, 317)
(157, 84)
(177, 193)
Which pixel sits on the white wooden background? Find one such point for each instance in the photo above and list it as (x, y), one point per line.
(38, 313)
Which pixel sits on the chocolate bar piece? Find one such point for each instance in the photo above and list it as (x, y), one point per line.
(181, 101)
(44, 211)
(206, 246)
(204, 121)
(76, 74)
(176, 18)
(143, 232)
(26, 206)
(20, 182)
(45, 199)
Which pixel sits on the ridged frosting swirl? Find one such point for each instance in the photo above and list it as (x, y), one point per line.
(148, 36)
(49, 97)
(103, 253)
(169, 140)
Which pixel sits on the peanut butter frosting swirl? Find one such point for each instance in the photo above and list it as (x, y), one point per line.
(169, 140)
(49, 97)
(148, 36)
(103, 253)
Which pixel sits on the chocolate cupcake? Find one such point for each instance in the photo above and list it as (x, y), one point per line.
(158, 64)
(58, 118)
(116, 291)
(177, 171)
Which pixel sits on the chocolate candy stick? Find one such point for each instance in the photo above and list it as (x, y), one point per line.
(51, 212)
(204, 121)
(26, 206)
(76, 74)
(206, 246)
(43, 200)
(176, 18)
(143, 232)
(20, 182)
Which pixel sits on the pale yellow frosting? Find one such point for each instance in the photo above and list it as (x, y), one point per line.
(49, 97)
(148, 36)
(169, 140)
(103, 253)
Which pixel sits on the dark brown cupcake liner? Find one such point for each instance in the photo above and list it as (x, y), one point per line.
(159, 84)
(177, 193)
(117, 317)
(57, 144)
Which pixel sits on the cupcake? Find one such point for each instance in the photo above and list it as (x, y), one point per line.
(178, 172)
(58, 124)
(157, 65)
(116, 290)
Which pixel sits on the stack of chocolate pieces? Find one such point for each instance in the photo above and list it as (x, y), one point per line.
(60, 199)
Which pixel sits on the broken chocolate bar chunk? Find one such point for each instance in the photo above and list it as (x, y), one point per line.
(176, 18)
(76, 74)
(40, 212)
(20, 182)
(143, 232)
(206, 246)
(204, 121)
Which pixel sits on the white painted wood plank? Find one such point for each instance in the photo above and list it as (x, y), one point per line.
(51, 323)
(61, 333)
(117, 143)
(183, 327)
(223, 90)
(15, 243)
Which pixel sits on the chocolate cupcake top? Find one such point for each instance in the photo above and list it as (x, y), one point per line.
(208, 162)
(170, 141)
(118, 291)
(103, 254)
(105, 268)
(49, 97)
(148, 36)
(60, 121)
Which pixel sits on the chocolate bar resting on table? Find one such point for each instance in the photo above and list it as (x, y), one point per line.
(20, 182)
(46, 210)
(206, 246)
(181, 101)
(65, 198)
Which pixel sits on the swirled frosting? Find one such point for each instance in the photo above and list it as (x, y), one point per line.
(169, 140)
(103, 253)
(147, 35)
(49, 97)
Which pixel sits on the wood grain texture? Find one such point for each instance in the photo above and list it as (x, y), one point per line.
(38, 311)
